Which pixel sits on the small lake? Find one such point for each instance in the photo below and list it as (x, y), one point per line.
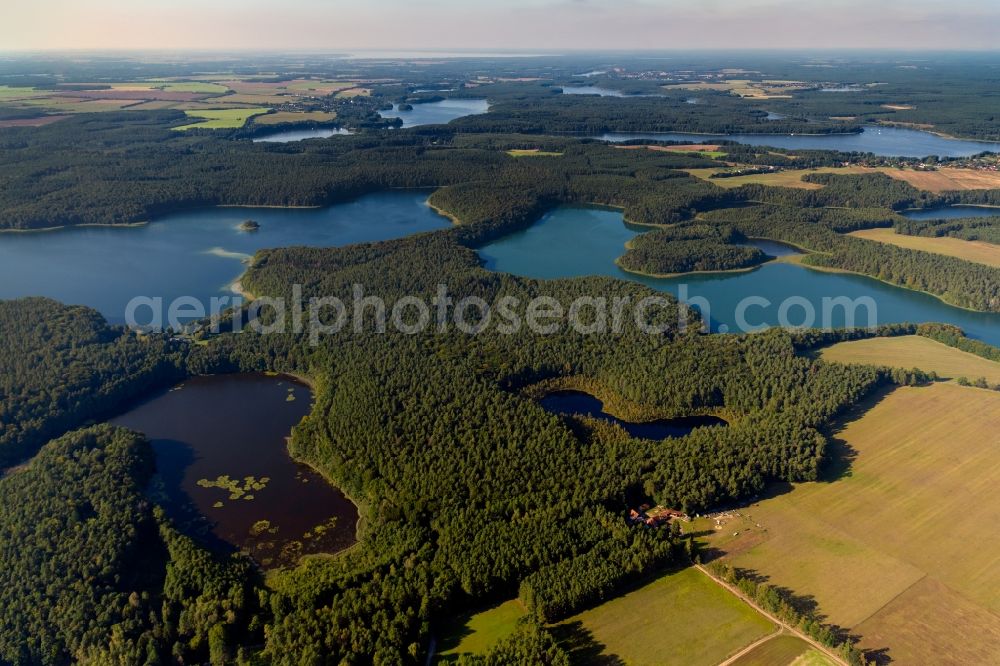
(289, 136)
(883, 141)
(592, 90)
(952, 212)
(577, 402)
(437, 113)
(223, 468)
(197, 253)
(574, 242)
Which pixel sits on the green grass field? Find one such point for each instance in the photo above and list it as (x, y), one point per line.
(784, 650)
(682, 618)
(295, 117)
(221, 118)
(909, 351)
(902, 548)
(12, 93)
(478, 632)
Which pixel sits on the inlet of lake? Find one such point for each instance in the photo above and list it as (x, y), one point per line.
(437, 113)
(572, 242)
(577, 402)
(882, 141)
(224, 473)
(952, 212)
(197, 253)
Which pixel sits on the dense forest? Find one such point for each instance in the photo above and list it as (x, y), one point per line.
(62, 366)
(986, 229)
(820, 230)
(683, 249)
(526, 505)
(91, 572)
(533, 505)
(534, 109)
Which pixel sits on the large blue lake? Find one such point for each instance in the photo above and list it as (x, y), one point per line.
(884, 141)
(437, 113)
(573, 242)
(197, 253)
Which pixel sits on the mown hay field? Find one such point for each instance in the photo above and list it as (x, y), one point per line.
(979, 252)
(914, 351)
(902, 548)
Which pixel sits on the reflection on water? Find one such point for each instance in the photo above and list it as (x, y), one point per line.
(952, 212)
(573, 242)
(437, 113)
(225, 473)
(197, 253)
(288, 136)
(884, 141)
(577, 402)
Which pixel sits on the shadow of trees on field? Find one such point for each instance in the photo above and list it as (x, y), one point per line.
(582, 647)
(807, 606)
(840, 455)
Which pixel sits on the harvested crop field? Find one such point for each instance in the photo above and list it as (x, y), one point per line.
(901, 548)
(914, 351)
(942, 180)
(40, 121)
(947, 179)
(979, 252)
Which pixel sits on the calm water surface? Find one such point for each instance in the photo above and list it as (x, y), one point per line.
(438, 113)
(592, 90)
(884, 141)
(578, 402)
(300, 134)
(952, 212)
(573, 242)
(234, 426)
(198, 253)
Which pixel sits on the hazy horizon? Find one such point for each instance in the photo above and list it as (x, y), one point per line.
(520, 25)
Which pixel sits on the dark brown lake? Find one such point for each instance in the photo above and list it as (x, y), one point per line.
(577, 402)
(225, 475)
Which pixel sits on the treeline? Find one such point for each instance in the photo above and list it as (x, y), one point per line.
(986, 229)
(955, 281)
(61, 366)
(559, 590)
(875, 190)
(770, 599)
(124, 168)
(689, 248)
(540, 109)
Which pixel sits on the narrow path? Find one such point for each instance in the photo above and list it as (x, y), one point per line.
(760, 641)
(781, 623)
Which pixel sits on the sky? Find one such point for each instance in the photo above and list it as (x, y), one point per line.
(339, 25)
